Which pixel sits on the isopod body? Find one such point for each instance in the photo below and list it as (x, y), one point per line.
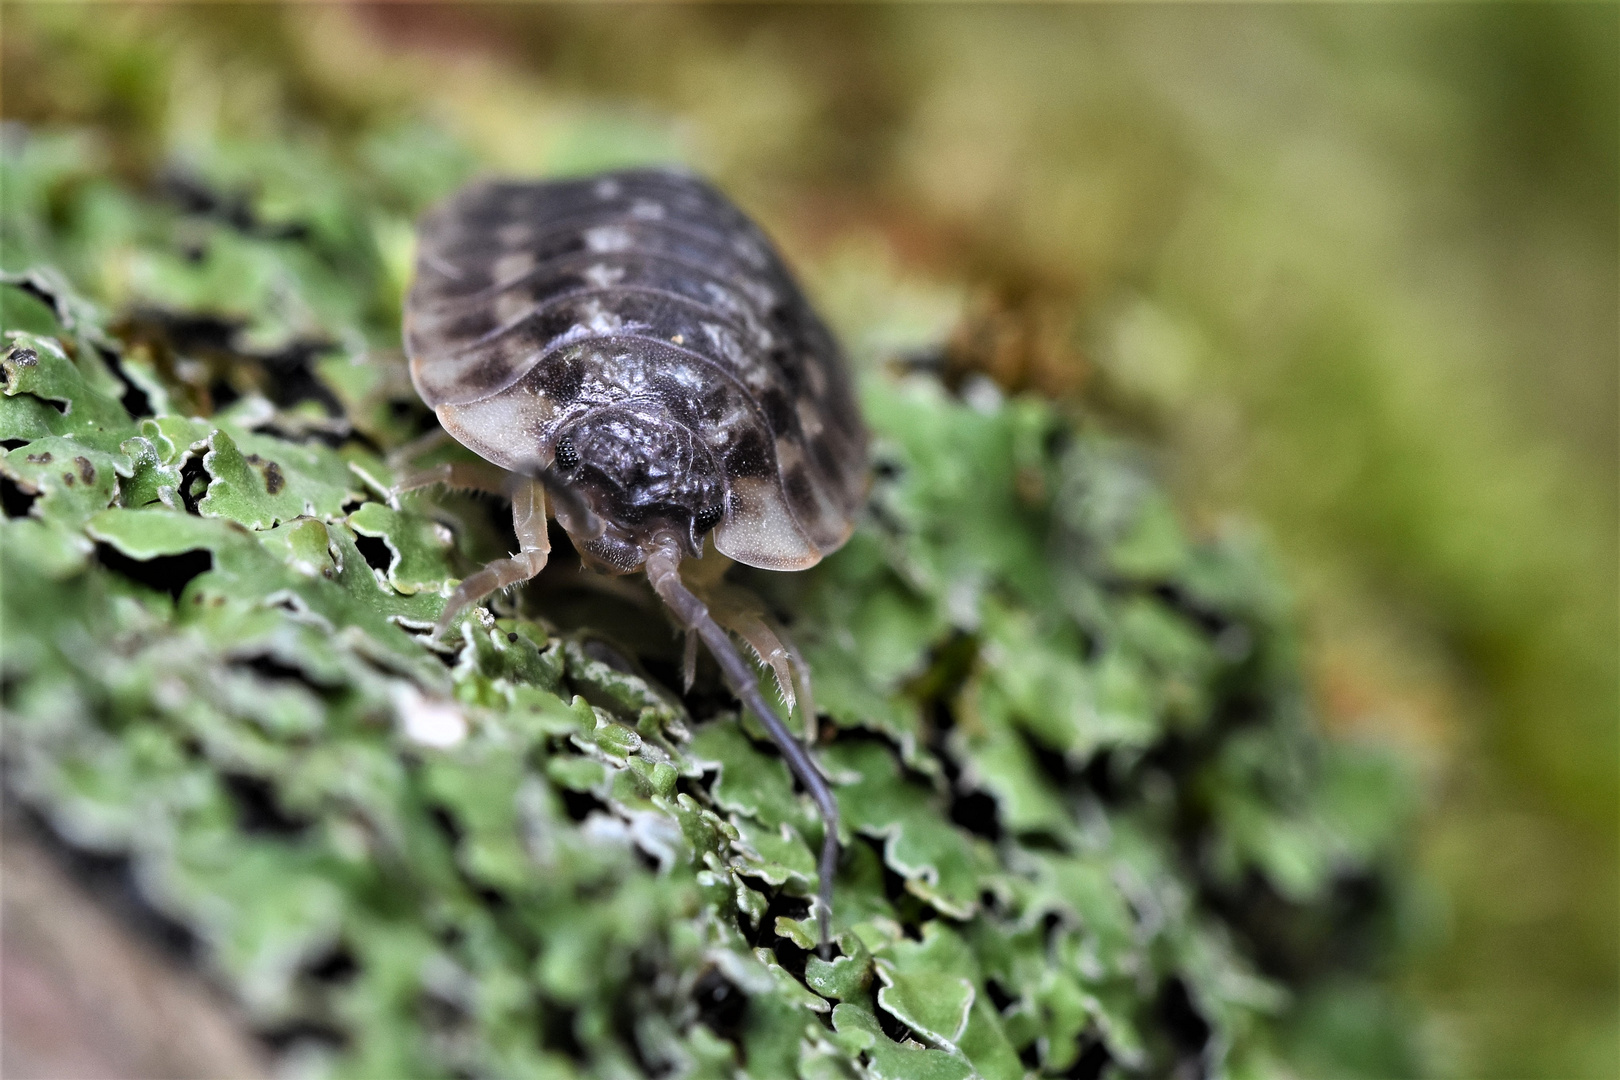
(638, 333)
(632, 350)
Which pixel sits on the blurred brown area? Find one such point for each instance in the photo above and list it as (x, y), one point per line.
(84, 998)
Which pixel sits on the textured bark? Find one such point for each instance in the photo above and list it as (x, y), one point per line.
(84, 998)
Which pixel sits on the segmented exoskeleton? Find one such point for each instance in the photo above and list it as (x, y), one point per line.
(631, 350)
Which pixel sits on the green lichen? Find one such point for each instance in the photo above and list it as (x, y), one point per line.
(1087, 823)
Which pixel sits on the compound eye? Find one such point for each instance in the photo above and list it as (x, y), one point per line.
(567, 456)
(708, 518)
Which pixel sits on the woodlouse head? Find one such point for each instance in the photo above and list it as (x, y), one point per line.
(641, 471)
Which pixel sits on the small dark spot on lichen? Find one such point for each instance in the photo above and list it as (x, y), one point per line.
(24, 357)
(67, 479)
(87, 471)
(274, 479)
(40, 459)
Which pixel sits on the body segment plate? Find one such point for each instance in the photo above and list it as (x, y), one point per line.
(537, 306)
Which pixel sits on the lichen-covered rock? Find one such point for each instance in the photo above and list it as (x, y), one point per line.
(1089, 825)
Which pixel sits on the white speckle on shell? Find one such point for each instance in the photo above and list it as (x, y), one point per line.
(726, 344)
(511, 266)
(809, 419)
(512, 305)
(788, 453)
(722, 298)
(598, 320)
(603, 277)
(608, 238)
(514, 234)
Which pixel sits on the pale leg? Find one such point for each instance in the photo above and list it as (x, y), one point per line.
(529, 522)
(399, 455)
(465, 475)
(739, 611)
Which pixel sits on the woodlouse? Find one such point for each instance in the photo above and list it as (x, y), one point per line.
(633, 353)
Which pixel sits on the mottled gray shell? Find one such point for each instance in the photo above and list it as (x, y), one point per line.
(535, 303)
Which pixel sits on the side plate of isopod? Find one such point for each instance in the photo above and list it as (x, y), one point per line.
(630, 356)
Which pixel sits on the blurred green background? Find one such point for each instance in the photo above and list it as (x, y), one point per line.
(1352, 269)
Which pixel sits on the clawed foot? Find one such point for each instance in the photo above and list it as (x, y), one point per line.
(741, 612)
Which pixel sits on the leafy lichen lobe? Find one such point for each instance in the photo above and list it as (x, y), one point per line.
(1083, 798)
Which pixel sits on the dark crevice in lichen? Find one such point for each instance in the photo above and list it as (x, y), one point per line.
(978, 813)
(1030, 1055)
(334, 439)
(1093, 1062)
(446, 823)
(579, 805)
(1212, 621)
(375, 551)
(194, 196)
(258, 811)
(193, 482)
(557, 1028)
(998, 995)
(203, 356)
(285, 1037)
(721, 1007)
(1296, 943)
(1187, 1029)
(892, 1026)
(14, 500)
(267, 666)
(338, 967)
(164, 573)
(135, 400)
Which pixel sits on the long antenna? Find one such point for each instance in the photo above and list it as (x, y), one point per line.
(663, 570)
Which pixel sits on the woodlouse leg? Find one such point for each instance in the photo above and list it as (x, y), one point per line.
(689, 660)
(529, 522)
(400, 455)
(466, 475)
(774, 649)
(801, 678)
(663, 571)
(763, 641)
(740, 611)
